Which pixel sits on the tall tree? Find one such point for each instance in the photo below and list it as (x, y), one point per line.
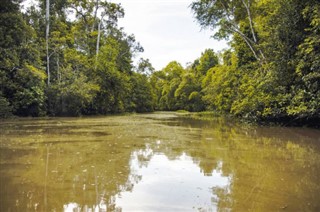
(227, 16)
(306, 92)
(47, 39)
(207, 60)
(21, 77)
(165, 84)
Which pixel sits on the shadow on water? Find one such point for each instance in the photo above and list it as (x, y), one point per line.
(156, 162)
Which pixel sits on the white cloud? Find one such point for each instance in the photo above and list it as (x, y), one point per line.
(167, 30)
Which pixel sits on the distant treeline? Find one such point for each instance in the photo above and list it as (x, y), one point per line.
(51, 64)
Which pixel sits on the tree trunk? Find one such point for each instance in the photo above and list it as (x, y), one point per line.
(98, 42)
(95, 15)
(47, 39)
(58, 69)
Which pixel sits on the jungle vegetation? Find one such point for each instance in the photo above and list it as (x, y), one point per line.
(51, 64)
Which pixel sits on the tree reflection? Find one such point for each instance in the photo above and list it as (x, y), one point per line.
(265, 165)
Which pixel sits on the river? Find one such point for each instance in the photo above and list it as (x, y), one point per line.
(156, 162)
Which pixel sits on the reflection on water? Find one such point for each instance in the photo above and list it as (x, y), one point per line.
(171, 185)
(156, 162)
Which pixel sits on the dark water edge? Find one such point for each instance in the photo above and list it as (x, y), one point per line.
(286, 121)
(313, 122)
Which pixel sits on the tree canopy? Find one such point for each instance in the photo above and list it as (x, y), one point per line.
(271, 71)
(51, 64)
(82, 65)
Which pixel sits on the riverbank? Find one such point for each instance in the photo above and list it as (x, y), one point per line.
(211, 115)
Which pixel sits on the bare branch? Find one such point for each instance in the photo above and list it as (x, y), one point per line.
(235, 25)
(248, 42)
(95, 14)
(247, 6)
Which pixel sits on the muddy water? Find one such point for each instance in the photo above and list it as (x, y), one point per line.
(156, 162)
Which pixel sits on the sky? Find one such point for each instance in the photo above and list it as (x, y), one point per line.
(167, 31)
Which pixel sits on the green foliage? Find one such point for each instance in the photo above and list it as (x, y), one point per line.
(22, 80)
(306, 93)
(273, 71)
(188, 93)
(177, 88)
(207, 60)
(90, 61)
(165, 83)
(114, 85)
(72, 95)
(220, 90)
(5, 108)
(145, 67)
(218, 14)
(141, 96)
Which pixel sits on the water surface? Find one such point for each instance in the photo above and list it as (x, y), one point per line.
(156, 162)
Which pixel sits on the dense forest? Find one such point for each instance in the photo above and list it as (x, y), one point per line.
(69, 57)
